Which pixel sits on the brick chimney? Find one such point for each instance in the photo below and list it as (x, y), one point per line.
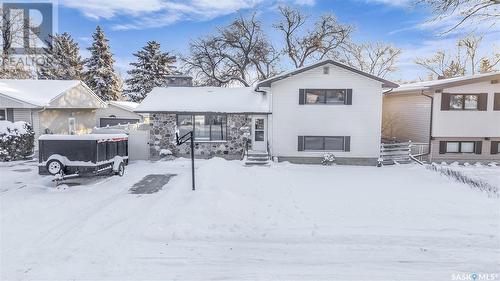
(179, 80)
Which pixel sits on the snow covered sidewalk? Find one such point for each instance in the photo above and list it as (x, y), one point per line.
(280, 222)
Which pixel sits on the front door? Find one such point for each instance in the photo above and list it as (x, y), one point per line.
(259, 133)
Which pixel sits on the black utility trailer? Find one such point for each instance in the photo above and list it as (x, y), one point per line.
(82, 155)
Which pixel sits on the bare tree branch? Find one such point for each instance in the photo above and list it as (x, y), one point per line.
(238, 53)
(326, 37)
(378, 58)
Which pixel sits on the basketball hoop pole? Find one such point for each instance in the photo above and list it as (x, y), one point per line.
(181, 140)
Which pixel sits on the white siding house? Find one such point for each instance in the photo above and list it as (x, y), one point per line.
(298, 116)
(358, 121)
(465, 116)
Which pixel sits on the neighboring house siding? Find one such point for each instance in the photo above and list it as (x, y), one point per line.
(76, 97)
(451, 123)
(56, 120)
(22, 114)
(162, 136)
(406, 117)
(120, 113)
(6, 102)
(361, 121)
(485, 156)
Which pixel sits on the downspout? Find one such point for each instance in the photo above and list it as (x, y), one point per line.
(430, 125)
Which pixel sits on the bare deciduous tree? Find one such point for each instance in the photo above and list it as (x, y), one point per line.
(470, 44)
(466, 59)
(443, 65)
(11, 29)
(239, 53)
(466, 10)
(378, 58)
(301, 45)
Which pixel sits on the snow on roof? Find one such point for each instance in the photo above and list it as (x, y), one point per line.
(100, 137)
(127, 105)
(35, 92)
(205, 99)
(427, 85)
(286, 74)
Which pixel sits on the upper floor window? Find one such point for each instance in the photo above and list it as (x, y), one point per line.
(325, 96)
(206, 127)
(464, 102)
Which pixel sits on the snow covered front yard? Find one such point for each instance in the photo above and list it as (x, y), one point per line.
(280, 222)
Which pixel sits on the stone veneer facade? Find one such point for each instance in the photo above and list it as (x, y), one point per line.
(162, 136)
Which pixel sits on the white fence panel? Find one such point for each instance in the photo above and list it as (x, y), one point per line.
(138, 146)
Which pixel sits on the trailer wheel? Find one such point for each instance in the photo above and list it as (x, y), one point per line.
(54, 167)
(121, 170)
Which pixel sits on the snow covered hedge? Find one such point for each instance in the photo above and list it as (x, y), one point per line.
(16, 140)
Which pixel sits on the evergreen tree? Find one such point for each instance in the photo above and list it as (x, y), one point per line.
(62, 60)
(149, 71)
(100, 75)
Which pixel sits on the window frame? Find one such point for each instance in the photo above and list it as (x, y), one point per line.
(324, 95)
(463, 102)
(210, 130)
(5, 113)
(324, 143)
(460, 147)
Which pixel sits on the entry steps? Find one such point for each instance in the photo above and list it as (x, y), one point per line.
(257, 158)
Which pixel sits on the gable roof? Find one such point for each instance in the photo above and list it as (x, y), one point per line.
(287, 74)
(204, 99)
(38, 93)
(446, 83)
(125, 105)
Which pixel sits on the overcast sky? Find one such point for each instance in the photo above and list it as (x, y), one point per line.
(129, 24)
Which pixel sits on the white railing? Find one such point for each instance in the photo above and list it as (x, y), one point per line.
(418, 149)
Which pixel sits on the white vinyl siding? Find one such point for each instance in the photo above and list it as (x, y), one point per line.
(467, 123)
(361, 120)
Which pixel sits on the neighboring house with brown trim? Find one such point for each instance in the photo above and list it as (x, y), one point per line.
(51, 106)
(297, 116)
(459, 117)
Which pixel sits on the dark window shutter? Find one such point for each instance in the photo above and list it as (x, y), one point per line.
(478, 147)
(300, 146)
(482, 102)
(496, 105)
(442, 147)
(445, 101)
(302, 96)
(348, 98)
(347, 143)
(494, 147)
(10, 114)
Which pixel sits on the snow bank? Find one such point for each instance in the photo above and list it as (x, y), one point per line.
(283, 222)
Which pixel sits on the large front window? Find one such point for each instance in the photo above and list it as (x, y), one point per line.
(464, 102)
(206, 127)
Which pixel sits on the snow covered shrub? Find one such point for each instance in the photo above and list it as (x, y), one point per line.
(328, 159)
(463, 178)
(17, 140)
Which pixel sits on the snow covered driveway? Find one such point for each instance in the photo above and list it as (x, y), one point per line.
(280, 222)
